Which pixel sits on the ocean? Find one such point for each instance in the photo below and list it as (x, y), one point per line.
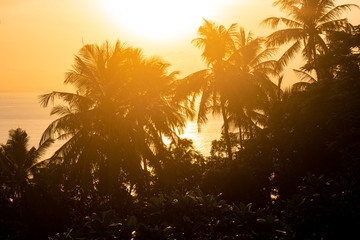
(23, 110)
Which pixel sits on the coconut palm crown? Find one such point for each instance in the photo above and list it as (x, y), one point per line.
(236, 81)
(307, 23)
(116, 120)
(18, 163)
(216, 43)
(251, 88)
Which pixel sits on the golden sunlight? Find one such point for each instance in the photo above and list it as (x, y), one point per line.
(160, 19)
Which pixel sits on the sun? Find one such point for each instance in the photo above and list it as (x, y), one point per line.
(160, 19)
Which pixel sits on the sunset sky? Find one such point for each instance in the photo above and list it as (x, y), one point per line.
(38, 38)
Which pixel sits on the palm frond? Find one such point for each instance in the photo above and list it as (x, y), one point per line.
(267, 67)
(41, 150)
(289, 54)
(300, 86)
(60, 110)
(191, 84)
(286, 4)
(58, 127)
(284, 36)
(71, 148)
(274, 22)
(204, 106)
(233, 30)
(264, 55)
(336, 12)
(304, 76)
(322, 47)
(335, 25)
(64, 96)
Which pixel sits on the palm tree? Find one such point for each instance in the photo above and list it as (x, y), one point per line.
(116, 120)
(18, 163)
(236, 83)
(217, 45)
(307, 22)
(251, 87)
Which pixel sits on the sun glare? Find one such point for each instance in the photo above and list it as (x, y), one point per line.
(160, 19)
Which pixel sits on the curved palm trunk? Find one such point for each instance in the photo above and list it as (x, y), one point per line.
(144, 150)
(317, 69)
(241, 138)
(148, 157)
(279, 87)
(314, 59)
(240, 135)
(146, 173)
(226, 131)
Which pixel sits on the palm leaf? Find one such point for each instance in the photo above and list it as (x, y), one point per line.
(289, 54)
(335, 25)
(264, 55)
(204, 106)
(304, 76)
(300, 86)
(283, 36)
(336, 12)
(192, 83)
(65, 96)
(43, 148)
(274, 22)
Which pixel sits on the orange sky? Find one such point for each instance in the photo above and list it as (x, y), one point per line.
(38, 38)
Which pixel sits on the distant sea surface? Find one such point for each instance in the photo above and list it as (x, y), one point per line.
(23, 110)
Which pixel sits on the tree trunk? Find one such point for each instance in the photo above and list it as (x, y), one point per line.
(279, 87)
(240, 136)
(317, 70)
(251, 132)
(143, 148)
(226, 131)
(146, 174)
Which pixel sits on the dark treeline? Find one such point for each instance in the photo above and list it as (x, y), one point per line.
(286, 167)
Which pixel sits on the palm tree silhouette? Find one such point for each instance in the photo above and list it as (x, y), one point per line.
(18, 163)
(217, 45)
(236, 84)
(251, 87)
(116, 120)
(307, 21)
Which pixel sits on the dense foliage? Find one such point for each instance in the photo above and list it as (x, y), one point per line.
(289, 168)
